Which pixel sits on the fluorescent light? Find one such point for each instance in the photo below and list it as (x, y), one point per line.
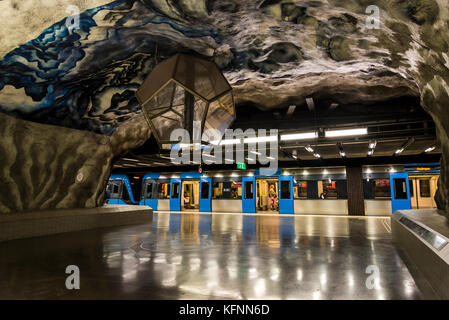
(370, 152)
(229, 160)
(294, 157)
(249, 159)
(226, 142)
(299, 136)
(127, 159)
(260, 139)
(399, 151)
(346, 132)
(270, 158)
(317, 155)
(310, 149)
(371, 145)
(254, 152)
(430, 149)
(343, 154)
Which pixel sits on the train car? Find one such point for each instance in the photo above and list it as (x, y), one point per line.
(120, 190)
(290, 191)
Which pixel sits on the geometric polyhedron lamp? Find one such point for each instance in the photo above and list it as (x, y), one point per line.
(183, 89)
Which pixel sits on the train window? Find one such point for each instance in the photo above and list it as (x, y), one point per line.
(227, 189)
(149, 190)
(249, 190)
(125, 195)
(204, 190)
(300, 189)
(175, 190)
(116, 189)
(424, 188)
(285, 189)
(163, 190)
(400, 188)
(327, 190)
(411, 188)
(382, 189)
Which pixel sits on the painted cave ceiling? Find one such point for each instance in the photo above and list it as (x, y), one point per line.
(274, 53)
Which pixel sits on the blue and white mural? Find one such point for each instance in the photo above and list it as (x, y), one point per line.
(85, 78)
(273, 52)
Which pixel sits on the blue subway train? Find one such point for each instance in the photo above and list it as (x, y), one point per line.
(289, 191)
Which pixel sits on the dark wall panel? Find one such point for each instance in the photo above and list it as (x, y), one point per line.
(342, 189)
(368, 189)
(312, 190)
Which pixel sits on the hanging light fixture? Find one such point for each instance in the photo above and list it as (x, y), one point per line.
(183, 89)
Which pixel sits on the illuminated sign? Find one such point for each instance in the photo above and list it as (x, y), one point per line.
(241, 165)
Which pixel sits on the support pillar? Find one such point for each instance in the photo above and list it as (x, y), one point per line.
(356, 203)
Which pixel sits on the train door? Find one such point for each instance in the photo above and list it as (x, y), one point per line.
(400, 191)
(190, 195)
(205, 195)
(286, 195)
(175, 201)
(248, 201)
(267, 195)
(149, 194)
(423, 192)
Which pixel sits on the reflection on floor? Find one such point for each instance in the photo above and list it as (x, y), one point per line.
(203, 256)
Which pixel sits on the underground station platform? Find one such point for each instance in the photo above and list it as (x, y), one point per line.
(201, 151)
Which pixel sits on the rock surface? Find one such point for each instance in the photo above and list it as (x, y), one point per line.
(273, 52)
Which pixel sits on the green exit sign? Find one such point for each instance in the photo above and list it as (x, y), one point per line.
(241, 165)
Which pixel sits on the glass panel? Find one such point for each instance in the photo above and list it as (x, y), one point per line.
(166, 123)
(161, 101)
(228, 189)
(248, 189)
(285, 189)
(382, 189)
(163, 190)
(400, 188)
(220, 114)
(199, 109)
(125, 195)
(149, 190)
(175, 190)
(204, 190)
(300, 189)
(201, 76)
(424, 188)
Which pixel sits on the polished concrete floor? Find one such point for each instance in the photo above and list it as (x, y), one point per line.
(218, 256)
